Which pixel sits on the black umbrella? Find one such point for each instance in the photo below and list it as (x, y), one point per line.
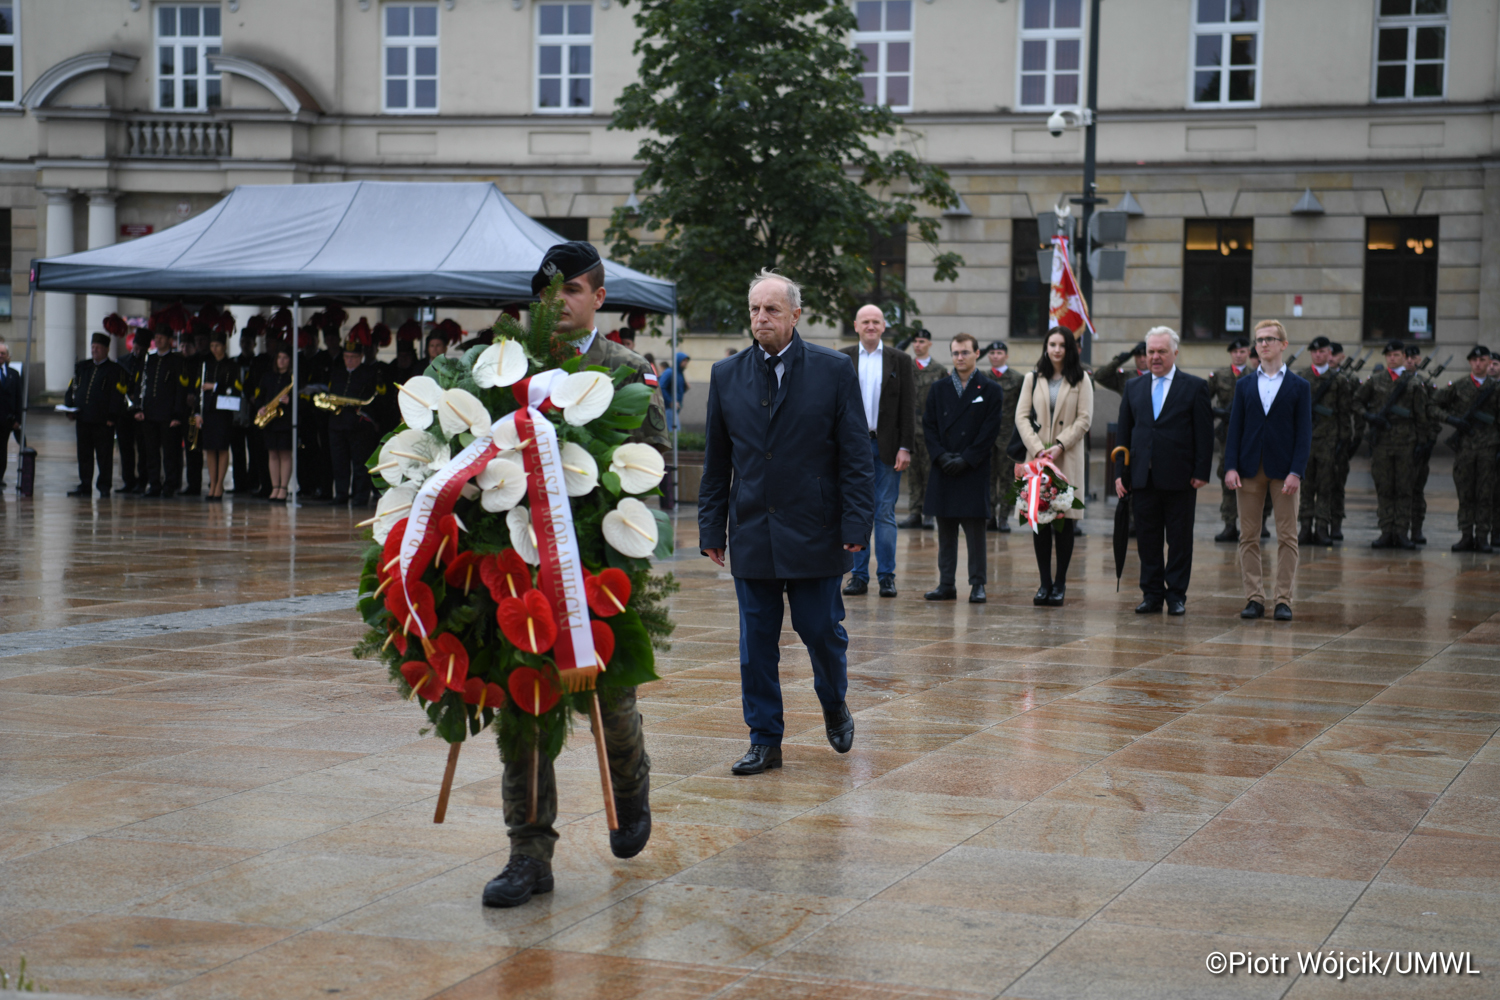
(1122, 521)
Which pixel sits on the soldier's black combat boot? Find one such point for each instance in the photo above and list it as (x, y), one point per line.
(1336, 533)
(913, 520)
(522, 878)
(1304, 537)
(1231, 533)
(634, 815)
(1403, 540)
(1480, 545)
(1318, 537)
(1385, 541)
(1466, 543)
(1416, 532)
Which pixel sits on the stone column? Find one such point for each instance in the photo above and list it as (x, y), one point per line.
(60, 328)
(101, 234)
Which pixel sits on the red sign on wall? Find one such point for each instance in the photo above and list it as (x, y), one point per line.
(131, 229)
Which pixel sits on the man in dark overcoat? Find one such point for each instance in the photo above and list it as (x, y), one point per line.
(961, 423)
(787, 490)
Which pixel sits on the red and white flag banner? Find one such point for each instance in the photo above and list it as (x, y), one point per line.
(1066, 307)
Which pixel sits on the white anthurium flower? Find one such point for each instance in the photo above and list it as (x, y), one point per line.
(630, 529)
(469, 491)
(418, 397)
(503, 483)
(394, 468)
(639, 466)
(392, 508)
(580, 471)
(501, 364)
(420, 453)
(522, 537)
(462, 411)
(583, 396)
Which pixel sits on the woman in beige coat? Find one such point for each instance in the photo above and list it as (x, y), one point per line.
(1053, 415)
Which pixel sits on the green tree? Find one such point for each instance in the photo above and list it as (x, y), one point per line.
(759, 151)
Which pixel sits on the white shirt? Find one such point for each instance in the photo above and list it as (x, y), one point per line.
(780, 365)
(587, 342)
(1269, 383)
(871, 369)
(923, 362)
(1320, 370)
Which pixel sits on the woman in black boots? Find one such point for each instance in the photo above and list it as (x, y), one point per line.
(1053, 415)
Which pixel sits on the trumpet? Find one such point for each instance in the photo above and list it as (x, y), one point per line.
(337, 404)
(273, 408)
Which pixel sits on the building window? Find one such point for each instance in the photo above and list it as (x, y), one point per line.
(1401, 259)
(186, 35)
(883, 36)
(1411, 50)
(564, 57)
(568, 228)
(1029, 293)
(1051, 45)
(1218, 256)
(9, 50)
(411, 58)
(5, 266)
(1226, 53)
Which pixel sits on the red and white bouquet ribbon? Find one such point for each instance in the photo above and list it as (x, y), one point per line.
(1037, 478)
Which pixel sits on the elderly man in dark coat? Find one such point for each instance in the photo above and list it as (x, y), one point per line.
(963, 417)
(788, 490)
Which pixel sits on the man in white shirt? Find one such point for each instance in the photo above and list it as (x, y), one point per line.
(887, 387)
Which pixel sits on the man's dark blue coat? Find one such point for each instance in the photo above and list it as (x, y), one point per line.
(1279, 441)
(787, 475)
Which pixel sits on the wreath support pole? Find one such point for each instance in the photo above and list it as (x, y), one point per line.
(597, 725)
(442, 803)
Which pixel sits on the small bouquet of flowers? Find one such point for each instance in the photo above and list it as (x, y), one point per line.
(1041, 494)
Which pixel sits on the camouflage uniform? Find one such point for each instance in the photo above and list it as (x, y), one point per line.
(1221, 397)
(1422, 460)
(624, 742)
(1001, 466)
(1393, 462)
(921, 462)
(1116, 372)
(1341, 459)
(1474, 468)
(1330, 435)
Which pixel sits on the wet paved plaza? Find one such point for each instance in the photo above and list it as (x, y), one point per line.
(1043, 803)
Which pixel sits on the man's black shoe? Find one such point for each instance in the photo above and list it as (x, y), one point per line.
(1254, 609)
(634, 815)
(1176, 606)
(888, 586)
(976, 594)
(167, 494)
(1150, 606)
(1229, 534)
(82, 491)
(760, 758)
(1318, 538)
(193, 493)
(1004, 526)
(1466, 543)
(1283, 613)
(839, 725)
(152, 491)
(1385, 541)
(942, 593)
(856, 586)
(912, 520)
(521, 879)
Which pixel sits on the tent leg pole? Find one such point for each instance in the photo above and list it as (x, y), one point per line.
(292, 484)
(26, 368)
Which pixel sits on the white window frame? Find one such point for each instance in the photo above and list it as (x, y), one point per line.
(879, 71)
(1409, 22)
(564, 41)
(14, 41)
(1224, 29)
(206, 45)
(1051, 36)
(411, 43)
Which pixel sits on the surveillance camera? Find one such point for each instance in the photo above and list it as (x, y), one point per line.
(1056, 122)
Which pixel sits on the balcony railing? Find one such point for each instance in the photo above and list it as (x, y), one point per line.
(178, 138)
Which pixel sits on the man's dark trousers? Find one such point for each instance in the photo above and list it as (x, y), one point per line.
(1164, 515)
(947, 529)
(349, 451)
(817, 609)
(96, 443)
(161, 444)
(126, 432)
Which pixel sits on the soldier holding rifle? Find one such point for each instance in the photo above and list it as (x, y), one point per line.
(1472, 405)
(1396, 414)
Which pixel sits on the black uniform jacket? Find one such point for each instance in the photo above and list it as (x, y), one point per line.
(97, 391)
(362, 383)
(162, 388)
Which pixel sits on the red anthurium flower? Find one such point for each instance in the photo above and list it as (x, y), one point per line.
(506, 574)
(392, 550)
(604, 642)
(528, 621)
(421, 599)
(424, 683)
(607, 593)
(532, 690)
(451, 661)
(484, 695)
(463, 572)
(397, 639)
(447, 534)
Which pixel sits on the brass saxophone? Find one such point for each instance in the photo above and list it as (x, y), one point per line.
(337, 404)
(273, 408)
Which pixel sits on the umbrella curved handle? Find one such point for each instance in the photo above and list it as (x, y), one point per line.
(1117, 450)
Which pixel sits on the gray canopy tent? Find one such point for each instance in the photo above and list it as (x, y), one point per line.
(361, 243)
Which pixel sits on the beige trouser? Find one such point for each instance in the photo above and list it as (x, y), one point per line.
(1251, 498)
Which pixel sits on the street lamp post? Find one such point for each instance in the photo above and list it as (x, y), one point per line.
(1090, 197)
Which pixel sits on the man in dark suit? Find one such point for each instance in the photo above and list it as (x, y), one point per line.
(964, 413)
(10, 406)
(1167, 422)
(1270, 431)
(888, 392)
(787, 489)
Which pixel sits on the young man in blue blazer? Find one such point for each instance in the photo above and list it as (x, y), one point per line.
(1270, 431)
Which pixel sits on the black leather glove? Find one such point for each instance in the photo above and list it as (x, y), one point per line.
(948, 463)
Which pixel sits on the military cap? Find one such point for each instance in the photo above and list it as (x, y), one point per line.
(1394, 345)
(103, 338)
(1412, 350)
(1480, 351)
(997, 345)
(1318, 343)
(1337, 347)
(1139, 350)
(568, 259)
(218, 337)
(1238, 343)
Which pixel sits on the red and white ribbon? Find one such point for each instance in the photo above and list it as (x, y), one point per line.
(1034, 472)
(435, 499)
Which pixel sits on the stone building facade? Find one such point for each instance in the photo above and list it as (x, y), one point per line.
(1329, 164)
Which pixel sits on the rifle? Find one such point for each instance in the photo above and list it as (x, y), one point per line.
(1327, 384)
(1465, 423)
(1440, 368)
(1380, 421)
(1362, 359)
